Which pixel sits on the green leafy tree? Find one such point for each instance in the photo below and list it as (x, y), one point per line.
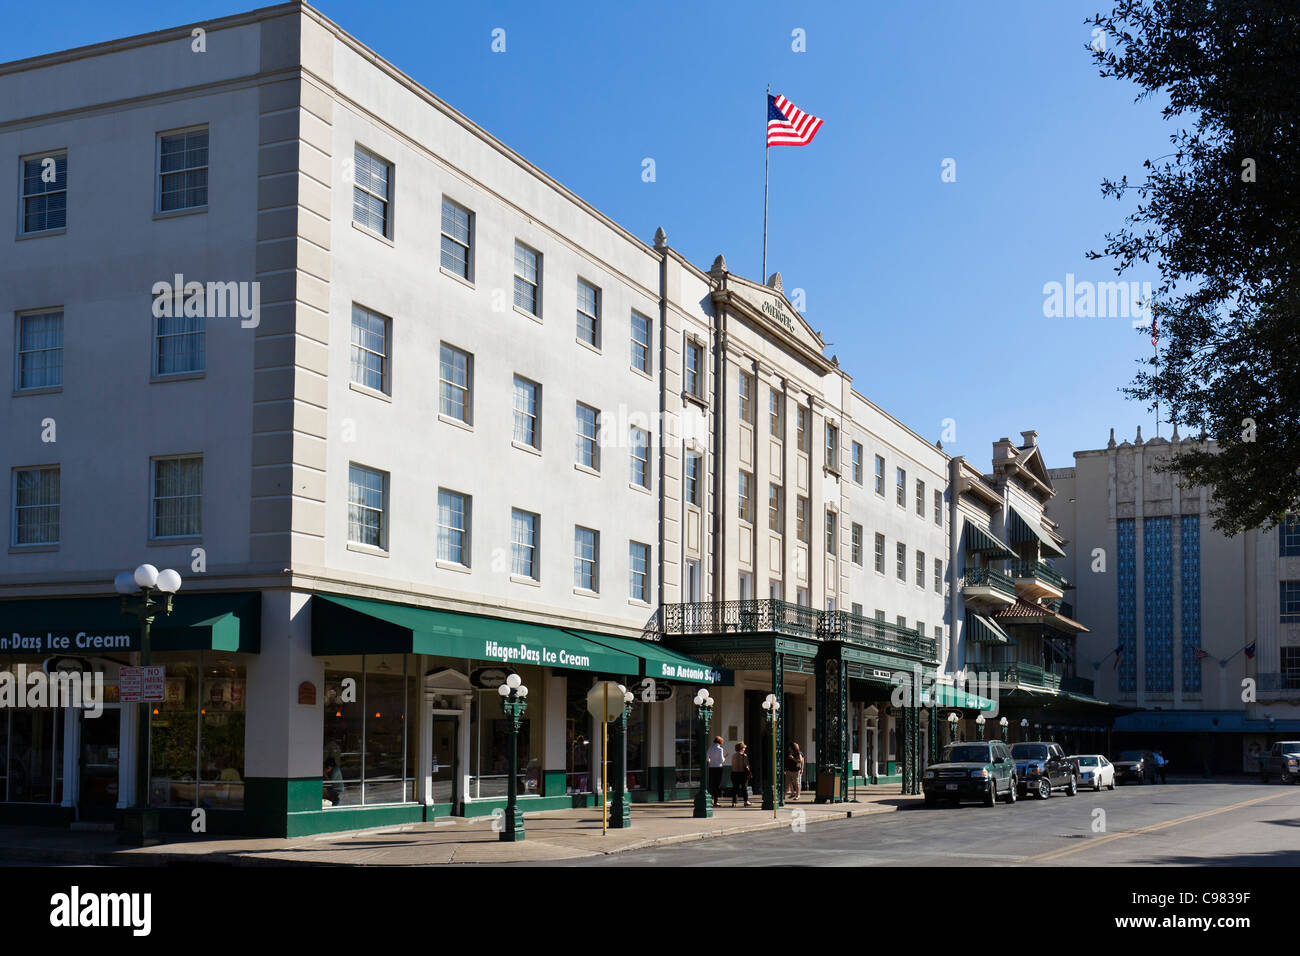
(1220, 217)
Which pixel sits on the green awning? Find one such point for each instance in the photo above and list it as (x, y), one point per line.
(978, 541)
(656, 660)
(352, 626)
(983, 630)
(1028, 529)
(200, 621)
(946, 695)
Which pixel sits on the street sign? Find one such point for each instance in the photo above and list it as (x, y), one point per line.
(605, 701)
(137, 684)
(489, 678)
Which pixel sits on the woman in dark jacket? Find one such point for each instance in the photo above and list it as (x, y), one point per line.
(740, 774)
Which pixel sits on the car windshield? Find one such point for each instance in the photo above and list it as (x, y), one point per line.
(967, 755)
(1087, 761)
(1029, 751)
(1130, 755)
(1290, 746)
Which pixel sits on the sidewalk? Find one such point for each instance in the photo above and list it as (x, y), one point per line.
(550, 835)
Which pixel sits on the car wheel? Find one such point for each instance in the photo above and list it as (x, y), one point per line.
(1073, 788)
(1044, 788)
(1112, 783)
(1011, 792)
(991, 798)
(1097, 787)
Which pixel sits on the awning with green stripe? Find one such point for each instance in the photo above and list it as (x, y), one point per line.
(946, 695)
(983, 630)
(200, 621)
(656, 660)
(978, 541)
(1027, 529)
(353, 626)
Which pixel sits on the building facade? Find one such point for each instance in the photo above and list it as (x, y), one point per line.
(1195, 631)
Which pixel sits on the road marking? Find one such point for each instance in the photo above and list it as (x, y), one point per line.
(1151, 828)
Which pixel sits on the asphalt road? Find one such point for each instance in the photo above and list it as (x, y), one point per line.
(1202, 823)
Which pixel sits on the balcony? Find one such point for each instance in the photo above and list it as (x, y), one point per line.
(988, 586)
(876, 635)
(1033, 677)
(1034, 579)
(741, 617)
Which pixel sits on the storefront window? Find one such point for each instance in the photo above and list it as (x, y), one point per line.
(577, 736)
(221, 735)
(369, 745)
(31, 747)
(197, 733)
(490, 762)
(688, 774)
(638, 746)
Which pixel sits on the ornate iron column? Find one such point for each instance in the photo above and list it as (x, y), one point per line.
(773, 786)
(620, 810)
(514, 705)
(932, 732)
(832, 718)
(704, 712)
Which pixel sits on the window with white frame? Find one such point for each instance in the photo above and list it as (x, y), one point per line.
(775, 413)
(832, 447)
(857, 462)
(745, 486)
(920, 569)
(180, 343)
(802, 439)
(367, 507)
(830, 532)
(880, 552)
(693, 369)
(856, 544)
(801, 530)
(938, 507)
(372, 192)
(586, 559)
(920, 497)
(775, 508)
(640, 343)
(746, 397)
(39, 350)
(36, 506)
(900, 493)
(177, 497)
(691, 472)
(856, 609)
(528, 279)
(901, 563)
(456, 374)
(453, 527)
(880, 476)
(588, 313)
(527, 411)
(183, 169)
(588, 425)
(45, 192)
(370, 348)
(938, 575)
(638, 562)
(639, 442)
(524, 527)
(457, 238)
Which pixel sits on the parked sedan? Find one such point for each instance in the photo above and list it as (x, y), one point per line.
(1135, 765)
(1041, 767)
(1094, 771)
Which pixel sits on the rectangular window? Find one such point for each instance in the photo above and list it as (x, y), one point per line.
(692, 472)
(180, 344)
(39, 351)
(746, 487)
(588, 419)
(901, 564)
(775, 414)
(45, 192)
(938, 507)
(693, 377)
(528, 279)
(880, 553)
(920, 497)
(857, 610)
(775, 508)
(1288, 537)
(901, 491)
(920, 628)
(830, 532)
(457, 238)
(857, 462)
(528, 403)
(367, 507)
(801, 519)
(638, 564)
(880, 615)
(746, 397)
(183, 170)
(640, 343)
(901, 621)
(856, 544)
(1290, 601)
(802, 439)
(197, 734)
(370, 355)
(880, 476)
(36, 505)
(523, 543)
(920, 569)
(938, 576)
(832, 448)
(177, 497)
(456, 371)
(453, 527)
(639, 440)
(588, 313)
(1289, 658)
(371, 192)
(586, 558)
(371, 730)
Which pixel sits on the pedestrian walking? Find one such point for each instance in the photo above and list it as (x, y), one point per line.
(716, 758)
(740, 774)
(794, 765)
(1161, 763)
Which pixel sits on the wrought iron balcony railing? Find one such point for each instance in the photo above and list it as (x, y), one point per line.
(876, 635)
(1021, 568)
(1033, 675)
(720, 617)
(988, 578)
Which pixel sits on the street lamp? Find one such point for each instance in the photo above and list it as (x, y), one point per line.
(703, 711)
(620, 806)
(952, 727)
(771, 707)
(979, 727)
(514, 703)
(146, 594)
(1002, 722)
(1024, 728)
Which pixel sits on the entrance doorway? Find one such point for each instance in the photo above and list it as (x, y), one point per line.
(446, 760)
(100, 750)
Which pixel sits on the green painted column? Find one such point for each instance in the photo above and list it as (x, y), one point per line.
(774, 779)
(620, 812)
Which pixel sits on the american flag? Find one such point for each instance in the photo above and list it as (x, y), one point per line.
(787, 125)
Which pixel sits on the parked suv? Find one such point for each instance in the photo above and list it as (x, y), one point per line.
(980, 770)
(1041, 767)
(1281, 763)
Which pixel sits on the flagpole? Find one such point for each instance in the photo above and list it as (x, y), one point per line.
(762, 277)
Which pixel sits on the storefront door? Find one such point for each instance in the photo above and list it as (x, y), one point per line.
(446, 760)
(100, 747)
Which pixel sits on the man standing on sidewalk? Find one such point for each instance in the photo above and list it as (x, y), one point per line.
(716, 758)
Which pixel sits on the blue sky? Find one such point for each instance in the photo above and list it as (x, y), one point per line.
(930, 292)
